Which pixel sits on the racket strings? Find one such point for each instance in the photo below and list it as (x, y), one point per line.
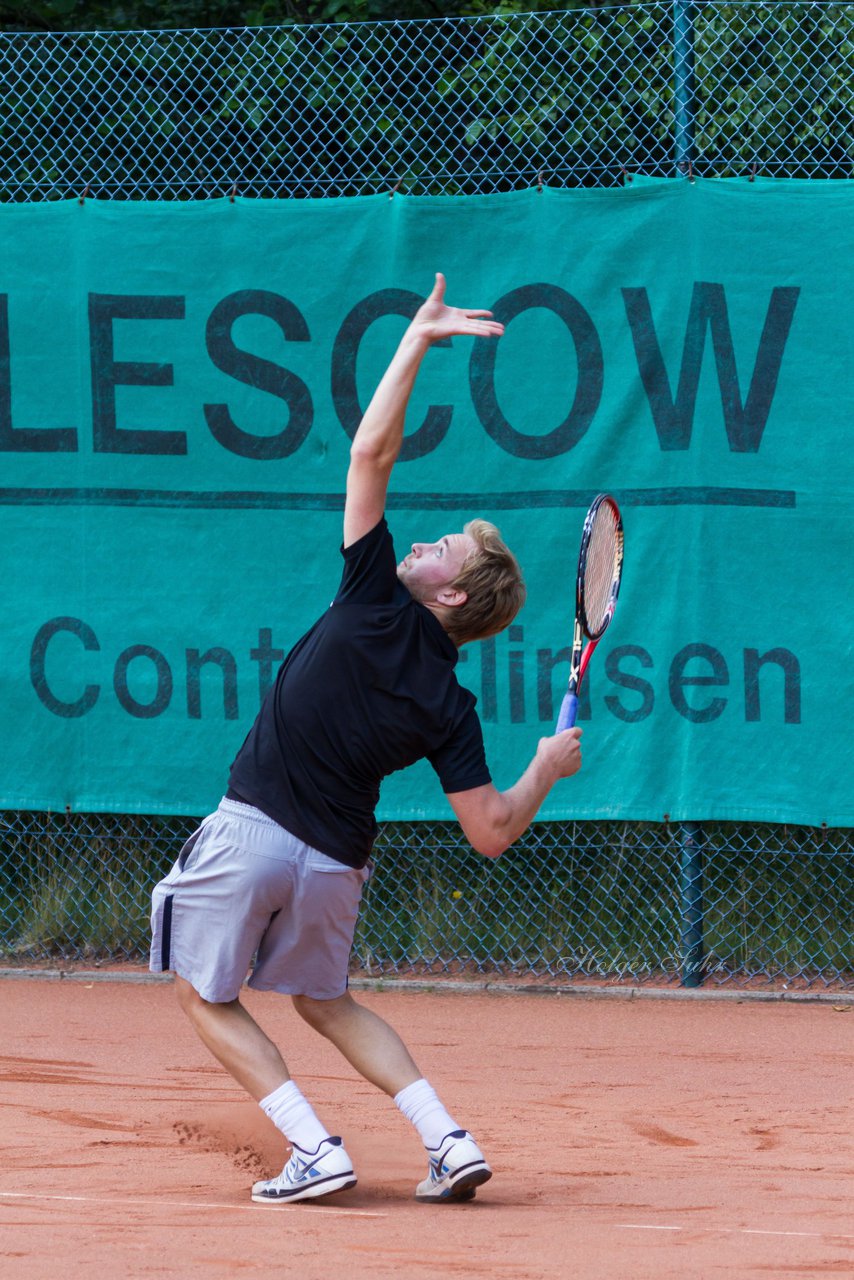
(602, 566)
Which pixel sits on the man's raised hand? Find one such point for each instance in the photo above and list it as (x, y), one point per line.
(435, 320)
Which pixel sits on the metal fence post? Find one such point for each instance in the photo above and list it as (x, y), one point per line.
(684, 107)
(691, 869)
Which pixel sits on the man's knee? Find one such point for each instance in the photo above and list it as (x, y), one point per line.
(188, 997)
(190, 1001)
(322, 1014)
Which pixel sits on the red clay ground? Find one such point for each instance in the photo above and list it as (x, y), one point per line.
(631, 1140)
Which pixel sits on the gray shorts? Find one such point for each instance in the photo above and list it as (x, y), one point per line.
(244, 887)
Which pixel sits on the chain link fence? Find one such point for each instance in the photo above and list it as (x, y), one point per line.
(455, 106)
(625, 902)
(439, 106)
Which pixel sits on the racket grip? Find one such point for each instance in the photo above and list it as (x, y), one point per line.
(568, 711)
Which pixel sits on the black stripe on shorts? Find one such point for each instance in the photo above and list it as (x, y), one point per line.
(166, 934)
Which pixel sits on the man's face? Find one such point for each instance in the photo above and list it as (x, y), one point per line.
(431, 566)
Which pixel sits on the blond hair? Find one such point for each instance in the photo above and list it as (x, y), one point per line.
(492, 580)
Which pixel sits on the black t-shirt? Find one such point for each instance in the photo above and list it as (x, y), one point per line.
(369, 689)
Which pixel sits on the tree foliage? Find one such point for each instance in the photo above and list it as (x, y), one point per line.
(160, 15)
(472, 104)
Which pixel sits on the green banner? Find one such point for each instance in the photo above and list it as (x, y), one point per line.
(178, 388)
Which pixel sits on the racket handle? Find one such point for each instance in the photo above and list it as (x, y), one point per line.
(568, 711)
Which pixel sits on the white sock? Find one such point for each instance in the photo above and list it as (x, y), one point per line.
(419, 1103)
(294, 1116)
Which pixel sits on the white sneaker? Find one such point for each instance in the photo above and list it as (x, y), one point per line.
(457, 1166)
(309, 1174)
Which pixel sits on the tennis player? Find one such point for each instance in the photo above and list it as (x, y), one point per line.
(275, 875)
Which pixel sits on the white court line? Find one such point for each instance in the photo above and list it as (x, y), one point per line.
(185, 1204)
(742, 1231)
(643, 1226)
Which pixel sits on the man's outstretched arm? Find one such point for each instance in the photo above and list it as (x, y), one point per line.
(377, 442)
(492, 820)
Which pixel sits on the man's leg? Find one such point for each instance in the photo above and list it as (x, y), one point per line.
(377, 1052)
(319, 1164)
(235, 1039)
(367, 1042)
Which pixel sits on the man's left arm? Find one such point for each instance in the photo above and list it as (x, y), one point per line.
(377, 442)
(492, 820)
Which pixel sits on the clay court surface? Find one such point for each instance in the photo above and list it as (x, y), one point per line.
(629, 1138)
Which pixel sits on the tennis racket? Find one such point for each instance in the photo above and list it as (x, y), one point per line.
(597, 585)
